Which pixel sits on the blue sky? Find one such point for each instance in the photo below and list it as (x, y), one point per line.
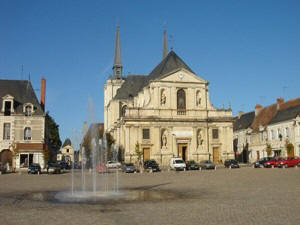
(249, 51)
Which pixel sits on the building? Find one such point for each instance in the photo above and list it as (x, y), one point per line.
(66, 153)
(166, 113)
(274, 125)
(22, 122)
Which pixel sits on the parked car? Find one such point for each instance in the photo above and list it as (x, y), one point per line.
(53, 167)
(101, 168)
(207, 164)
(288, 162)
(272, 163)
(177, 164)
(113, 164)
(2, 168)
(34, 168)
(231, 163)
(260, 163)
(128, 168)
(192, 165)
(151, 165)
(64, 165)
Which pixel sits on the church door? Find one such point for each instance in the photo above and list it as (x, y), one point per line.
(146, 154)
(183, 151)
(216, 154)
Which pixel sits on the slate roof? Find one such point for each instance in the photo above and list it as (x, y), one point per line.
(167, 65)
(131, 87)
(244, 121)
(22, 92)
(67, 142)
(286, 114)
(135, 83)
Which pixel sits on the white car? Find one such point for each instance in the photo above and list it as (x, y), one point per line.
(177, 164)
(112, 164)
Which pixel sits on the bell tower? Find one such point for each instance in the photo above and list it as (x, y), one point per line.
(113, 83)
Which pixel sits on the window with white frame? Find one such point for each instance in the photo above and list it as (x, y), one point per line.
(27, 133)
(262, 136)
(6, 131)
(287, 132)
(273, 134)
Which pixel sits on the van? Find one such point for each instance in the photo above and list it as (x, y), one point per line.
(177, 164)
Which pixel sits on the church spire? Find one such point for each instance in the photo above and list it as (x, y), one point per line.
(165, 45)
(117, 67)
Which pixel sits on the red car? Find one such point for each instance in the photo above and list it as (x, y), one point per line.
(272, 163)
(289, 162)
(101, 168)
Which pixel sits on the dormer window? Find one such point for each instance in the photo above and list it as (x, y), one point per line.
(7, 105)
(7, 108)
(28, 109)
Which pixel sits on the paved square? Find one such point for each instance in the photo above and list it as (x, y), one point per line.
(237, 196)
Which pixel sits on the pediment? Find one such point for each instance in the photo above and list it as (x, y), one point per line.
(8, 97)
(182, 75)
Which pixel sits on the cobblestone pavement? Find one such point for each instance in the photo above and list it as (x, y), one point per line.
(237, 196)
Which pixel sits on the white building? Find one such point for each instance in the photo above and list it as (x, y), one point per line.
(22, 123)
(273, 125)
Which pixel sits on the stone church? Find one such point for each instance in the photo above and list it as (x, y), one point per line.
(166, 113)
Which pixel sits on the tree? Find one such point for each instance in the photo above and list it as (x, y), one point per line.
(52, 139)
(269, 149)
(139, 155)
(289, 148)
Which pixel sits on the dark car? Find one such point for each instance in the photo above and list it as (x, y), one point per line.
(207, 164)
(2, 168)
(128, 168)
(192, 165)
(260, 163)
(64, 165)
(53, 168)
(34, 168)
(231, 163)
(151, 166)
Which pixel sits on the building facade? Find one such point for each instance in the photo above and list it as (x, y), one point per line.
(166, 113)
(66, 153)
(274, 125)
(22, 123)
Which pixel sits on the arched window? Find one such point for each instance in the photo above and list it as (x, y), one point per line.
(124, 108)
(27, 133)
(181, 103)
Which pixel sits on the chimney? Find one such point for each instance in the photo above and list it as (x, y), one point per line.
(280, 100)
(258, 108)
(43, 93)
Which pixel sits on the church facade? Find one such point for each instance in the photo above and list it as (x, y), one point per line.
(166, 113)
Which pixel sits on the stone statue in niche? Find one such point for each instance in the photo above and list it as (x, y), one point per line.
(199, 138)
(163, 98)
(198, 99)
(164, 140)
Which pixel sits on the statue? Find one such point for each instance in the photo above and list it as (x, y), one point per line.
(163, 98)
(198, 99)
(164, 140)
(199, 138)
